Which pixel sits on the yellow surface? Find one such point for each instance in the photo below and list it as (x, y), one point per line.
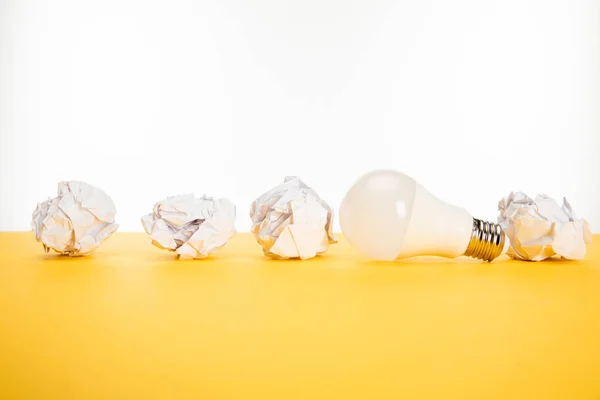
(131, 322)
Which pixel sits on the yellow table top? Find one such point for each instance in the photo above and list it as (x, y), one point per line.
(133, 322)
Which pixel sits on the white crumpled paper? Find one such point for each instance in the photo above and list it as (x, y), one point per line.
(540, 228)
(193, 227)
(291, 221)
(77, 221)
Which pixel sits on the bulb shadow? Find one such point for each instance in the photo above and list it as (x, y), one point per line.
(431, 260)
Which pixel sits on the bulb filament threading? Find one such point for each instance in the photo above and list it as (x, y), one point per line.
(487, 240)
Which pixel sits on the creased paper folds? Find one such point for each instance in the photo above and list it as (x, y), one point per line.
(192, 227)
(540, 228)
(291, 221)
(77, 221)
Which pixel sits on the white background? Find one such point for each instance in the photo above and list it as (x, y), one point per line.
(153, 98)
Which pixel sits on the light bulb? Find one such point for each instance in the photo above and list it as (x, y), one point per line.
(386, 215)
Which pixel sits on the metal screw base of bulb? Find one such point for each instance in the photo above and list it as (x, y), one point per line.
(487, 240)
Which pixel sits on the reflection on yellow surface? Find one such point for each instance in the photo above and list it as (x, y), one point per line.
(131, 322)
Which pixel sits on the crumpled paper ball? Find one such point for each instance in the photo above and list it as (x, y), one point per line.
(77, 221)
(540, 228)
(192, 227)
(291, 221)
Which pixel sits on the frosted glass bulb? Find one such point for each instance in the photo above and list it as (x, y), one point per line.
(386, 215)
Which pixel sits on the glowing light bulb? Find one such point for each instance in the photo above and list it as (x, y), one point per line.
(386, 215)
